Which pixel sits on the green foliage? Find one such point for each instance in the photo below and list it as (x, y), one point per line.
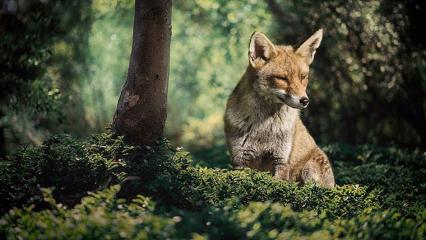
(41, 55)
(183, 185)
(108, 53)
(102, 215)
(187, 199)
(208, 56)
(99, 216)
(368, 70)
(69, 58)
(400, 175)
(70, 166)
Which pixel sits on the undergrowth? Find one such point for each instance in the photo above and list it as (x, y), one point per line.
(164, 194)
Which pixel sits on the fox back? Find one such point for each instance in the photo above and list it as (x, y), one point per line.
(262, 124)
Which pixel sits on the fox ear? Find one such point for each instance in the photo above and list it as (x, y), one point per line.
(261, 49)
(308, 48)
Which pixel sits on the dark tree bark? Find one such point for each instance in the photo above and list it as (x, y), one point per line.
(141, 110)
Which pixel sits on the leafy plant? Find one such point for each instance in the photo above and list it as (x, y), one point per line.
(380, 195)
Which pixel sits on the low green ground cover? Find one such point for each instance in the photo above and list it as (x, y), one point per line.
(70, 189)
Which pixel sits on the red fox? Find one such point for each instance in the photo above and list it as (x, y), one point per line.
(262, 124)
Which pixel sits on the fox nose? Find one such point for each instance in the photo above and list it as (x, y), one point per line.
(304, 101)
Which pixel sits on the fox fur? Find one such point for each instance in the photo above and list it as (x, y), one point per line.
(262, 124)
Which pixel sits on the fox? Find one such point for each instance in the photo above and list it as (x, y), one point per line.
(263, 128)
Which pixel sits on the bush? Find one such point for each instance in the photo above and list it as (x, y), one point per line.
(381, 193)
(169, 176)
(103, 216)
(70, 166)
(99, 216)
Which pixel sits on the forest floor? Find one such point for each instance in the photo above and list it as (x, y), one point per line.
(101, 188)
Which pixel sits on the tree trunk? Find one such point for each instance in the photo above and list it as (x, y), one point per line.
(141, 109)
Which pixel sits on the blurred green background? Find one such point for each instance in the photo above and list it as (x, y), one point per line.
(62, 65)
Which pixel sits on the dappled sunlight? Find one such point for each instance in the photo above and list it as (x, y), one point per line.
(112, 119)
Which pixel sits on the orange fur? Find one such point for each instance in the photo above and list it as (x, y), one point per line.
(262, 124)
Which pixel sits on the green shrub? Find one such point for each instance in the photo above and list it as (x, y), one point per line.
(70, 166)
(381, 194)
(170, 177)
(398, 175)
(99, 216)
(103, 216)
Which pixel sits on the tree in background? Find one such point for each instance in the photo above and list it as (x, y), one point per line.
(367, 86)
(141, 111)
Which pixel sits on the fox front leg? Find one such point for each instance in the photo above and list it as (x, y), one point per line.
(281, 170)
(241, 158)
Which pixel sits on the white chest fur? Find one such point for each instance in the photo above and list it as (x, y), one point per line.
(260, 130)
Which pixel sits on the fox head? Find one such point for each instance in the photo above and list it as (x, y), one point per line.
(282, 71)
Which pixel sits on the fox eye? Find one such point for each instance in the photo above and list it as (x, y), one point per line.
(282, 78)
(304, 76)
